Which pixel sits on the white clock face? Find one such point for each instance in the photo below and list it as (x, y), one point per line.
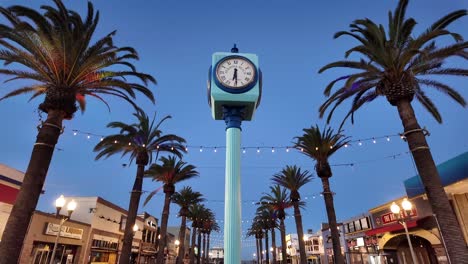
(235, 72)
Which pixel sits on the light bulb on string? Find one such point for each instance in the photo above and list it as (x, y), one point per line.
(75, 133)
(360, 143)
(388, 138)
(215, 150)
(316, 148)
(186, 148)
(201, 149)
(88, 136)
(374, 141)
(115, 141)
(102, 138)
(243, 150)
(129, 143)
(345, 145)
(287, 149)
(272, 150)
(258, 150)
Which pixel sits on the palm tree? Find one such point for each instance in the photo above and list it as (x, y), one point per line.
(55, 52)
(398, 65)
(320, 146)
(185, 198)
(278, 200)
(212, 225)
(141, 140)
(293, 178)
(197, 212)
(256, 230)
(169, 173)
(265, 215)
(205, 216)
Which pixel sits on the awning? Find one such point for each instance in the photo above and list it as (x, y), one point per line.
(391, 228)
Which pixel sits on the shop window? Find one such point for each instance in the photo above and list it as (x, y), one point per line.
(123, 222)
(365, 223)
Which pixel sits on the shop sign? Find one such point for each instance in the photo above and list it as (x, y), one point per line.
(67, 231)
(390, 217)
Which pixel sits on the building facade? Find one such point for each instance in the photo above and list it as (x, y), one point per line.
(43, 232)
(10, 183)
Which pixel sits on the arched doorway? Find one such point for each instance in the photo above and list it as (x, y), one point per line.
(399, 248)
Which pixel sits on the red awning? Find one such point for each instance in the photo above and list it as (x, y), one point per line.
(391, 228)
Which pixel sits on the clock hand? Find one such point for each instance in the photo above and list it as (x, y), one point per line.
(234, 76)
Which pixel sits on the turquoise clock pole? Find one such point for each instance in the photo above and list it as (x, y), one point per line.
(232, 197)
(234, 89)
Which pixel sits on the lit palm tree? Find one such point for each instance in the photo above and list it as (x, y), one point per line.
(399, 64)
(169, 173)
(320, 146)
(293, 178)
(278, 200)
(185, 198)
(55, 52)
(141, 140)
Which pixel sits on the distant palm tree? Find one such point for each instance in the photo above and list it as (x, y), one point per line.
(320, 146)
(205, 216)
(293, 178)
(54, 50)
(278, 200)
(266, 216)
(398, 64)
(185, 198)
(197, 212)
(169, 173)
(256, 230)
(211, 226)
(141, 140)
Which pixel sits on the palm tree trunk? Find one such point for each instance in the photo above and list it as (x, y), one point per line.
(267, 248)
(181, 253)
(300, 233)
(131, 217)
(208, 248)
(164, 220)
(258, 249)
(283, 241)
(335, 235)
(261, 249)
(450, 228)
(273, 244)
(199, 247)
(192, 251)
(31, 188)
(204, 249)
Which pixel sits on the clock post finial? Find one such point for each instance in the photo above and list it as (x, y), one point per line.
(235, 49)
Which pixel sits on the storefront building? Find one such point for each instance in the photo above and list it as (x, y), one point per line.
(107, 222)
(42, 233)
(10, 183)
(361, 249)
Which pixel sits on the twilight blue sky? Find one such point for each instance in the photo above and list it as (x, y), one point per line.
(293, 39)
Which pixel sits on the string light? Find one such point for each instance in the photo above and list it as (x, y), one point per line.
(360, 142)
(215, 150)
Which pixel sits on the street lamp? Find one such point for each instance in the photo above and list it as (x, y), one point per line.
(407, 206)
(59, 204)
(177, 243)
